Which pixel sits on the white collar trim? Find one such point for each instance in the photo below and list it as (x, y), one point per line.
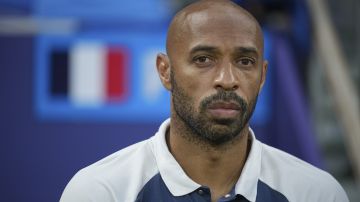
(248, 181)
(180, 184)
(171, 172)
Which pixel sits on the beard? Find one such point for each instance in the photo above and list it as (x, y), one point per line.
(203, 128)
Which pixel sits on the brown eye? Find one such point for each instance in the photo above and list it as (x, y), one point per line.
(203, 61)
(246, 61)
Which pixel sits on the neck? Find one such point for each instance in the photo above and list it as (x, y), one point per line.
(217, 167)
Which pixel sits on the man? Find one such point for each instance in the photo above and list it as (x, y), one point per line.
(206, 152)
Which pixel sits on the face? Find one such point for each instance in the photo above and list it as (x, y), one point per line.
(216, 73)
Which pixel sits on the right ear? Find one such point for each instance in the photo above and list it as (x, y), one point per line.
(163, 68)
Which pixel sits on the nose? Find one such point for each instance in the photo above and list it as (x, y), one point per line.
(226, 79)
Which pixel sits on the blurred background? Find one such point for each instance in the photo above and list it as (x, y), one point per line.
(78, 82)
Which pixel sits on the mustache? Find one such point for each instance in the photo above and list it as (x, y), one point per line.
(225, 96)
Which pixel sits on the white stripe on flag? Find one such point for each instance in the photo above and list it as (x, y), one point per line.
(87, 74)
(152, 87)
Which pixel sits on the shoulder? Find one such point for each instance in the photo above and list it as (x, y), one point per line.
(120, 175)
(297, 179)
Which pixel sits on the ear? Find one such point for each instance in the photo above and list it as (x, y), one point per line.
(263, 73)
(163, 68)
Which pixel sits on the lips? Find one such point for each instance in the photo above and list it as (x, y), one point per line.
(224, 109)
(225, 106)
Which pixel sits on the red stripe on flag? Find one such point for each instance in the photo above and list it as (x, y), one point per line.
(116, 74)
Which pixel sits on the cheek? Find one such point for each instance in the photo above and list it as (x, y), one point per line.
(195, 84)
(193, 90)
(249, 85)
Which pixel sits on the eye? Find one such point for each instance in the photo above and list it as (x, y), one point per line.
(203, 60)
(246, 61)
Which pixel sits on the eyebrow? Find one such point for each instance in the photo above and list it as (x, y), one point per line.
(204, 48)
(243, 49)
(248, 50)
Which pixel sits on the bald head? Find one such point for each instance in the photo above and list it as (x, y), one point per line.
(218, 14)
(214, 56)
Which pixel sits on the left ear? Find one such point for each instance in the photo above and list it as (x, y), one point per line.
(263, 73)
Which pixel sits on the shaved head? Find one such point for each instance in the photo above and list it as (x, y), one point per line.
(214, 68)
(206, 11)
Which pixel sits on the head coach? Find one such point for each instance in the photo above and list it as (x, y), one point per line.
(206, 151)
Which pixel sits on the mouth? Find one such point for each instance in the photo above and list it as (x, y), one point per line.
(224, 109)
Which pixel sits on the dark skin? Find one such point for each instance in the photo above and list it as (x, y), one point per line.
(212, 46)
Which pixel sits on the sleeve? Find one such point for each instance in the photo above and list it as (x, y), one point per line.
(334, 191)
(340, 195)
(85, 188)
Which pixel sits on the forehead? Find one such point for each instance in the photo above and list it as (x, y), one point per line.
(220, 29)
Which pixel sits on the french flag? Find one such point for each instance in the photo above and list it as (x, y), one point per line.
(89, 74)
